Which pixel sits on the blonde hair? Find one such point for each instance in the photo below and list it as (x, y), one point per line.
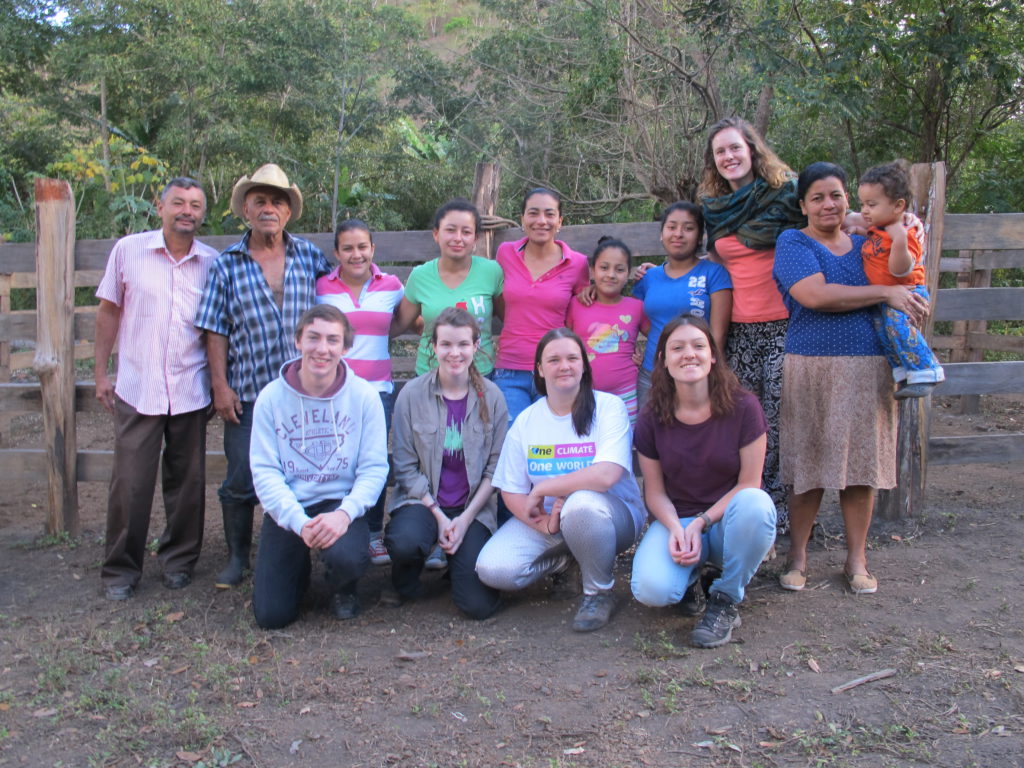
(766, 165)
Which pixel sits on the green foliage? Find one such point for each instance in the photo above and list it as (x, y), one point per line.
(381, 110)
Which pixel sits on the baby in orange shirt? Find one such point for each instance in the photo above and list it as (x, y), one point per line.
(893, 256)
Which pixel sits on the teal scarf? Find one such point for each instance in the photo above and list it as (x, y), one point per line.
(756, 214)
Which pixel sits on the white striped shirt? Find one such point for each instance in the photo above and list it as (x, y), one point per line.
(161, 366)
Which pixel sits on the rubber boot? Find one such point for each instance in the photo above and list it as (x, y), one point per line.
(238, 534)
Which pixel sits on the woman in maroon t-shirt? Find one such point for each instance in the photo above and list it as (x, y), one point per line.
(701, 442)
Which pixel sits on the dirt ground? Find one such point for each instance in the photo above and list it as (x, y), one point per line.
(186, 679)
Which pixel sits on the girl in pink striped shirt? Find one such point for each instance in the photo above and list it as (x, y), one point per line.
(368, 298)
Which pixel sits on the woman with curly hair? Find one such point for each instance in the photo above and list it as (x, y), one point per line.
(748, 197)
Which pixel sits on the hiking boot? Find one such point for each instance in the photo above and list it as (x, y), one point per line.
(344, 605)
(720, 617)
(595, 611)
(694, 600)
(378, 552)
(437, 560)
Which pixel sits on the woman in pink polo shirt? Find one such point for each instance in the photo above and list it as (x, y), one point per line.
(542, 275)
(748, 196)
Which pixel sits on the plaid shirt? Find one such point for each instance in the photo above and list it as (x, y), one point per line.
(239, 304)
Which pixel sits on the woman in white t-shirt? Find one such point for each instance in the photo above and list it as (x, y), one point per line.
(566, 474)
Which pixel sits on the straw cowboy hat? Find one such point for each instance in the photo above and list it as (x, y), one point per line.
(268, 175)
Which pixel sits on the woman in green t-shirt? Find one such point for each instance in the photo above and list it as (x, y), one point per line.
(456, 278)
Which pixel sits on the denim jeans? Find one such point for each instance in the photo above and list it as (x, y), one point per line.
(643, 387)
(283, 566)
(237, 487)
(737, 544)
(412, 533)
(517, 386)
(375, 514)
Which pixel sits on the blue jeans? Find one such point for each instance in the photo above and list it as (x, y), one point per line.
(643, 387)
(737, 544)
(237, 487)
(517, 386)
(375, 514)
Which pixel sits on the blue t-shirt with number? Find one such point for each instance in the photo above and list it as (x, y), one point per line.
(666, 297)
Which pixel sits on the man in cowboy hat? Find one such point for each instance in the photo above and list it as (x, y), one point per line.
(257, 290)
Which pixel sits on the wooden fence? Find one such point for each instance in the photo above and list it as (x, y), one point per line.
(982, 242)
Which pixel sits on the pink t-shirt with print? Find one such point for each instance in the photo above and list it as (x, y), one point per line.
(609, 332)
(534, 307)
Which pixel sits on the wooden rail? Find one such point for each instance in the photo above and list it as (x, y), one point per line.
(982, 242)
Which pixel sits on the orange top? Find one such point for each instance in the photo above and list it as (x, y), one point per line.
(755, 296)
(876, 259)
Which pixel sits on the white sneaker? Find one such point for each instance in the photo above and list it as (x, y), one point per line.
(378, 552)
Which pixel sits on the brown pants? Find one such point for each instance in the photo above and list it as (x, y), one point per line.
(138, 440)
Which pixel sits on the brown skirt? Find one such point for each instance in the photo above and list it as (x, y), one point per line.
(838, 423)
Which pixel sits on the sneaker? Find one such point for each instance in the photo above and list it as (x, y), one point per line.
(720, 617)
(392, 598)
(567, 581)
(594, 612)
(694, 601)
(378, 552)
(344, 605)
(437, 560)
(921, 389)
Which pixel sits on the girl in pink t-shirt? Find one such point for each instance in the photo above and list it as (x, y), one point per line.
(610, 326)
(542, 275)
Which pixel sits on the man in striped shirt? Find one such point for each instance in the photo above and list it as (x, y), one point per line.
(149, 296)
(257, 290)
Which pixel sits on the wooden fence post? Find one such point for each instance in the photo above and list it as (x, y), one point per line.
(55, 348)
(972, 278)
(485, 198)
(928, 185)
(5, 355)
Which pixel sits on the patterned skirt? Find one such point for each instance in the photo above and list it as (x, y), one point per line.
(838, 423)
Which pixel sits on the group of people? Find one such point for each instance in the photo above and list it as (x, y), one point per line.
(769, 366)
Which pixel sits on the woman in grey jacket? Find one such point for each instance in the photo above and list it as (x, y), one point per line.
(449, 426)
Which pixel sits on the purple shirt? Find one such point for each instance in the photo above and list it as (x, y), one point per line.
(453, 484)
(700, 463)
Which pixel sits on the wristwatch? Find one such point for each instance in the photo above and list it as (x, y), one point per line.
(707, 521)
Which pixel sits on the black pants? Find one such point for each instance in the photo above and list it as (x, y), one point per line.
(411, 534)
(283, 567)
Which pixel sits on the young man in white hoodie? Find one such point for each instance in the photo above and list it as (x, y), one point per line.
(319, 459)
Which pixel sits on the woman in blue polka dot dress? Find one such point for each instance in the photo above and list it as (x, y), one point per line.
(838, 419)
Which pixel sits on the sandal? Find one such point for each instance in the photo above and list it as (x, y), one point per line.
(792, 579)
(861, 583)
